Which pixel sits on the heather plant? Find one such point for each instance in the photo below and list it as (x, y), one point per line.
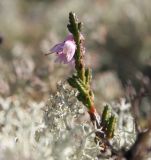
(72, 50)
(73, 124)
(122, 141)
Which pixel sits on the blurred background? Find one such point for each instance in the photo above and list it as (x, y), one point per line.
(117, 39)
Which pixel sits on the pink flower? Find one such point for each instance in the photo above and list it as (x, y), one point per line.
(65, 50)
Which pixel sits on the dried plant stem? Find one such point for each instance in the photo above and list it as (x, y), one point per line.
(137, 151)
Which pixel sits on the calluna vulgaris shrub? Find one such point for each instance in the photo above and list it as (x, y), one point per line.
(69, 127)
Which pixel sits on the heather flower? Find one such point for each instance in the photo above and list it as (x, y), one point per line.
(65, 50)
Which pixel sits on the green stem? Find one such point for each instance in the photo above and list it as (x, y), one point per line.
(82, 80)
(75, 27)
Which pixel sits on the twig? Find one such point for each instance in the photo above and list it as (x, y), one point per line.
(81, 80)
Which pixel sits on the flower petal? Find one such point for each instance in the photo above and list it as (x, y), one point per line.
(69, 38)
(61, 58)
(69, 50)
(57, 48)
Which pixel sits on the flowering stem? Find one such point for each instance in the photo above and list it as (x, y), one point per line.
(75, 28)
(82, 81)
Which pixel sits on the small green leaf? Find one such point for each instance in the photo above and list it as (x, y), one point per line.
(88, 76)
(111, 126)
(106, 114)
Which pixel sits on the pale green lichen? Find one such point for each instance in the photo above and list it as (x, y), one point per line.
(59, 129)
